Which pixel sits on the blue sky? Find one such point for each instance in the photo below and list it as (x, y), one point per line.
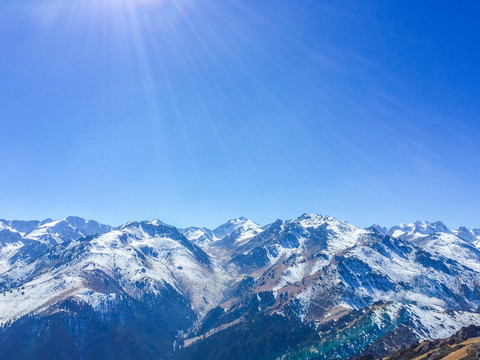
(196, 111)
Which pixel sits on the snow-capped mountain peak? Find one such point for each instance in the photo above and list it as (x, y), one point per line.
(418, 229)
(470, 236)
(51, 231)
(238, 229)
(309, 272)
(314, 220)
(460, 245)
(230, 226)
(199, 235)
(146, 224)
(382, 230)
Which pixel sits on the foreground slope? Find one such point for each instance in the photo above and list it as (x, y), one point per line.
(464, 344)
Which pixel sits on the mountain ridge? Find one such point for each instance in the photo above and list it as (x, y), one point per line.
(316, 275)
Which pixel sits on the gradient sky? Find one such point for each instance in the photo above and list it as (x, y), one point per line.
(198, 111)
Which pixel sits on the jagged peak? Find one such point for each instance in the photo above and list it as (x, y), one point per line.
(466, 234)
(314, 216)
(422, 227)
(316, 220)
(236, 221)
(74, 218)
(139, 223)
(232, 225)
(197, 234)
(79, 220)
(382, 230)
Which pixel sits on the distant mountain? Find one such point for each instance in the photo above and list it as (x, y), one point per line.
(199, 235)
(49, 231)
(23, 242)
(308, 288)
(460, 245)
(418, 230)
(236, 230)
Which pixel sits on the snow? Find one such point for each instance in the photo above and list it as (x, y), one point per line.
(380, 229)
(229, 227)
(299, 271)
(431, 322)
(98, 301)
(418, 229)
(116, 254)
(434, 322)
(343, 235)
(460, 245)
(240, 229)
(199, 236)
(130, 255)
(36, 295)
(6, 253)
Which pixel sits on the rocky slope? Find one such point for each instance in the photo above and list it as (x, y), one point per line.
(464, 344)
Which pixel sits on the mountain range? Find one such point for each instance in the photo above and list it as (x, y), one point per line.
(309, 288)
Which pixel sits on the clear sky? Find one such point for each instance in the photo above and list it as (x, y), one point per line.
(198, 111)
